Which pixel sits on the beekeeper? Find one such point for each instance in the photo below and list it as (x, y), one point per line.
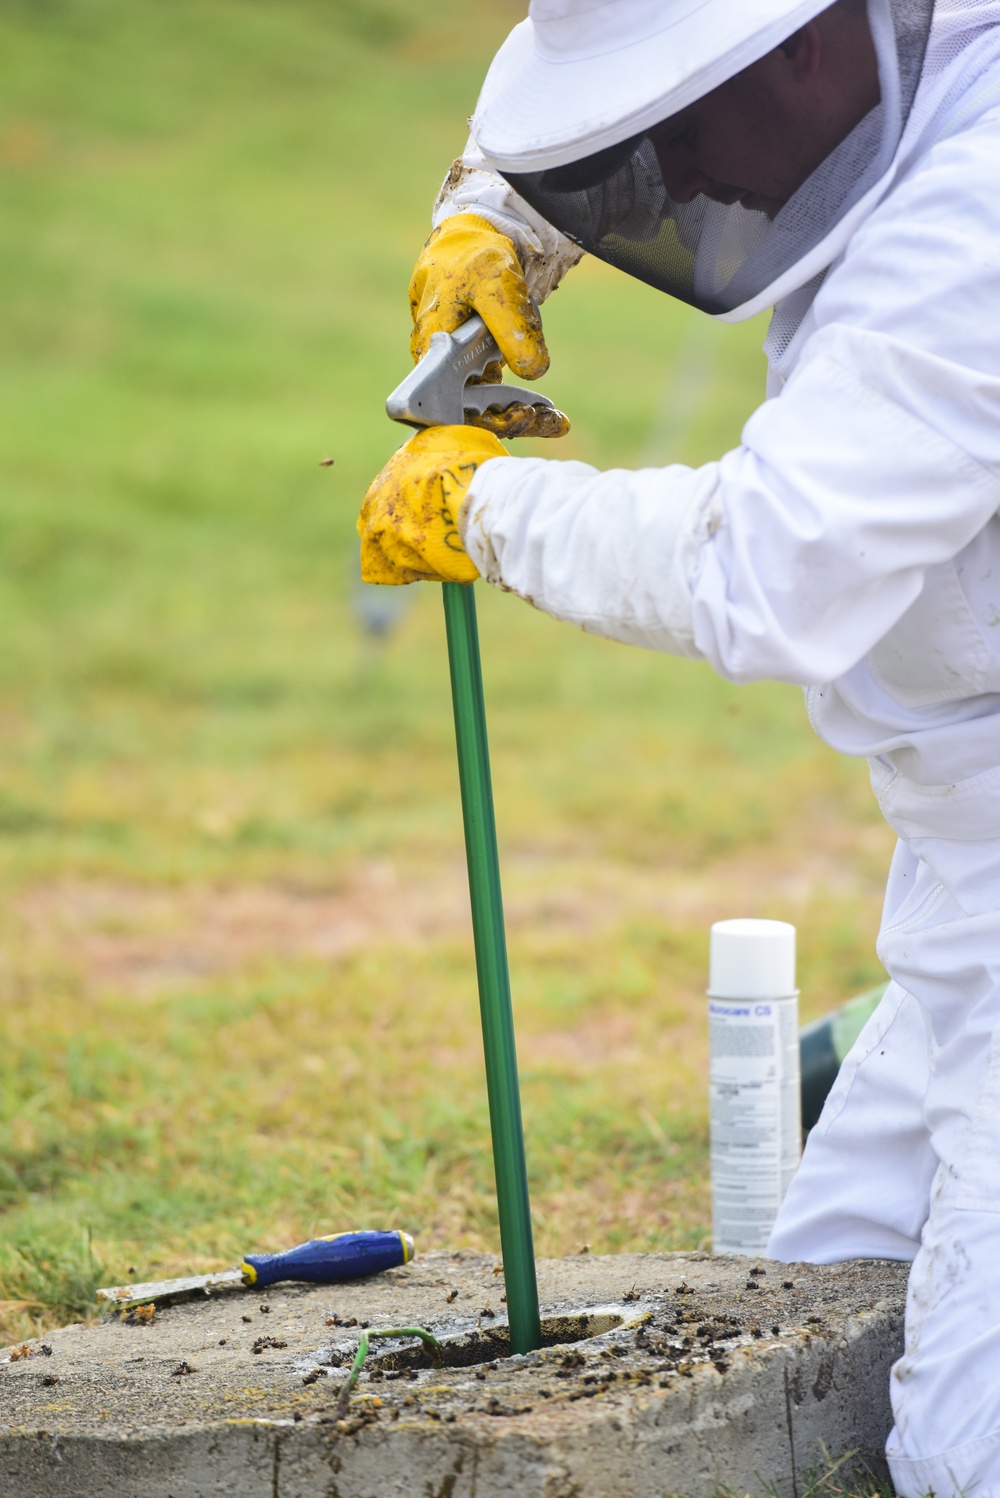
(841, 165)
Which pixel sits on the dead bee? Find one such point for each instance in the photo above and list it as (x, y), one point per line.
(139, 1315)
(264, 1342)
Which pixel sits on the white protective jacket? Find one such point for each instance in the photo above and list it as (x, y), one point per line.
(851, 544)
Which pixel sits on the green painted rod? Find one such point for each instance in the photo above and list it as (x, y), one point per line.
(502, 1085)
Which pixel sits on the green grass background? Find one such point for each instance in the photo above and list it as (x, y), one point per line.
(208, 214)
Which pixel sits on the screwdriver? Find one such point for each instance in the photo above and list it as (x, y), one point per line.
(321, 1261)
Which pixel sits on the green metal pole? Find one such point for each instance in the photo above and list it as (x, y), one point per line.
(491, 966)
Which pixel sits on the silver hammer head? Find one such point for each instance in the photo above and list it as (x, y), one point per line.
(437, 393)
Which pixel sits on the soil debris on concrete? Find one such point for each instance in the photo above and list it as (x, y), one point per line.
(687, 1372)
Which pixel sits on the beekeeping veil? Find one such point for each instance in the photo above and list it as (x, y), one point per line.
(568, 116)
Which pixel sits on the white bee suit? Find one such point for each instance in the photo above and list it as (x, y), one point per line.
(851, 544)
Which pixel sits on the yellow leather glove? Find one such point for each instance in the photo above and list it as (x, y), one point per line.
(468, 266)
(408, 522)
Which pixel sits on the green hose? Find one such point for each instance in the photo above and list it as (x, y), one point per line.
(823, 1046)
(502, 1084)
(430, 1342)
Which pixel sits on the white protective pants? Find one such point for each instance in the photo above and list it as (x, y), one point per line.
(904, 1163)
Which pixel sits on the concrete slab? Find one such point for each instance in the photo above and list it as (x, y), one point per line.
(705, 1373)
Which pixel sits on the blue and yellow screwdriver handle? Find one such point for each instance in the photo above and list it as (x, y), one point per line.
(323, 1261)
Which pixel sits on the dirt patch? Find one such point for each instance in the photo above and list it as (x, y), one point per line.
(117, 935)
(131, 936)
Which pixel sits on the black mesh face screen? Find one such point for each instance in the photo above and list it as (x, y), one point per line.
(720, 256)
(626, 217)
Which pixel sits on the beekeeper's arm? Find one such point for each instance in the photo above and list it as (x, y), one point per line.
(788, 559)
(794, 554)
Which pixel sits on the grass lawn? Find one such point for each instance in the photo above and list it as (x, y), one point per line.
(237, 997)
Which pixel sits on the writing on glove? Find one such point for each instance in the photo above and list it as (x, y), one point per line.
(409, 520)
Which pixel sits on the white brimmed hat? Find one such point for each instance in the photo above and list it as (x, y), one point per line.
(578, 76)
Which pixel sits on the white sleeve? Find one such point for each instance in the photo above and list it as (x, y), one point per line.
(612, 552)
(471, 187)
(789, 558)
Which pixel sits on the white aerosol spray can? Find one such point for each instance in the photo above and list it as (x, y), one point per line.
(756, 1110)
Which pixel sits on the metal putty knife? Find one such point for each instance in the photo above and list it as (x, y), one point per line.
(322, 1261)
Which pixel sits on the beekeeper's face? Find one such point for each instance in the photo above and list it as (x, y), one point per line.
(758, 137)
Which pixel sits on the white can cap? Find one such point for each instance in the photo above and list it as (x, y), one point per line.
(752, 960)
